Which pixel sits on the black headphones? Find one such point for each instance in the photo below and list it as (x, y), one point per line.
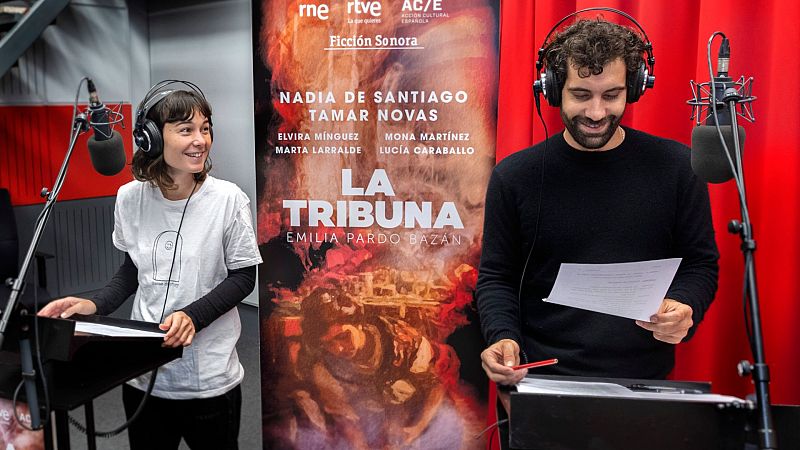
(636, 82)
(146, 133)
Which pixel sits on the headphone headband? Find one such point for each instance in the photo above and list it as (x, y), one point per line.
(647, 43)
(644, 77)
(157, 93)
(146, 133)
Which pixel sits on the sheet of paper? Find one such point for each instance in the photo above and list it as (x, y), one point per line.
(110, 330)
(596, 389)
(559, 387)
(634, 290)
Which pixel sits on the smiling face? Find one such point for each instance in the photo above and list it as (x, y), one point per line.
(186, 145)
(592, 107)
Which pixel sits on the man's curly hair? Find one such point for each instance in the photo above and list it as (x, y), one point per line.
(591, 44)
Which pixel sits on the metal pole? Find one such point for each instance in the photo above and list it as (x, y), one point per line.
(759, 371)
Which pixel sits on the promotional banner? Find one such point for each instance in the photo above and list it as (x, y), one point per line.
(375, 138)
(13, 435)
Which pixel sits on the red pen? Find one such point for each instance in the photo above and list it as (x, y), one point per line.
(546, 362)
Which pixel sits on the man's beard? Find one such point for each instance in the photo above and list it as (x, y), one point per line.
(590, 141)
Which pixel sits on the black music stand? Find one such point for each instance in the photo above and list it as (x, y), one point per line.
(572, 422)
(79, 368)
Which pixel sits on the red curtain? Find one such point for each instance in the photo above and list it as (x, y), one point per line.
(764, 39)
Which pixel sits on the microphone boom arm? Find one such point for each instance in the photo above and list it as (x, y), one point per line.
(80, 125)
(52, 196)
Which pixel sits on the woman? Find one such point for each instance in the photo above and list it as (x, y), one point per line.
(190, 257)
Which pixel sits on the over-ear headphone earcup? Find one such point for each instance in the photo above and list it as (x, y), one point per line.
(552, 88)
(146, 134)
(148, 138)
(636, 83)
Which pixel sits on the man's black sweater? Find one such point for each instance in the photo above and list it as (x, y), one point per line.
(638, 201)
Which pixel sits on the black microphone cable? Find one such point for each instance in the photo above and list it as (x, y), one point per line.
(738, 177)
(39, 364)
(737, 172)
(493, 427)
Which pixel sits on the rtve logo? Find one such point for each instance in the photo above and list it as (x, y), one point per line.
(360, 7)
(357, 7)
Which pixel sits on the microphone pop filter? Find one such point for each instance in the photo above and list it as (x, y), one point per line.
(108, 156)
(709, 162)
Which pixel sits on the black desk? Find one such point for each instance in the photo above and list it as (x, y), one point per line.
(79, 368)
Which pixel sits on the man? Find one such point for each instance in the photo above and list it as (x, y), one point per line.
(596, 193)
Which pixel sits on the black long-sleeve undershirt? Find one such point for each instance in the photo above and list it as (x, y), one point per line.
(122, 285)
(233, 289)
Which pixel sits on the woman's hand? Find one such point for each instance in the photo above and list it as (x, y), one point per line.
(67, 306)
(179, 328)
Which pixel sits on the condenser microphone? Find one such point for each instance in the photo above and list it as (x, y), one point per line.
(731, 99)
(709, 162)
(723, 58)
(108, 155)
(106, 150)
(722, 82)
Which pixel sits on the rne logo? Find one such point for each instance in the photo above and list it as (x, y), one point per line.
(311, 10)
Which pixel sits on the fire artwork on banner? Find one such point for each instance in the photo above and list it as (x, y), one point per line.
(13, 435)
(375, 139)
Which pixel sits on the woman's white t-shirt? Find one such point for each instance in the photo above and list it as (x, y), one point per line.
(216, 236)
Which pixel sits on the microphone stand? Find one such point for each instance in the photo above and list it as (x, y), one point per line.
(733, 94)
(759, 371)
(79, 126)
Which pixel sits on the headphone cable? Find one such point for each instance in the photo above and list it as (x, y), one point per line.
(523, 354)
(108, 434)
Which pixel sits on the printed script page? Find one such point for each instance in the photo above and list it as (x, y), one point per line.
(109, 330)
(634, 289)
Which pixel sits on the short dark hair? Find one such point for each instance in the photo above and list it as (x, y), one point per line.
(591, 44)
(177, 106)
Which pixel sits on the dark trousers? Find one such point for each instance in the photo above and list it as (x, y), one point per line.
(204, 423)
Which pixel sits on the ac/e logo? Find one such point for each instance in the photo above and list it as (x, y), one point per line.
(422, 5)
(312, 10)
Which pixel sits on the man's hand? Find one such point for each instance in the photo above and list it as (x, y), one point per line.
(671, 323)
(67, 306)
(498, 359)
(180, 329)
